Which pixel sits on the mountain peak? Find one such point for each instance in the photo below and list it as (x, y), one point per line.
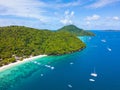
(75, 30)
(71, 26)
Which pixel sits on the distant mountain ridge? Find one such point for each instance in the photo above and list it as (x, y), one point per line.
(76, 31)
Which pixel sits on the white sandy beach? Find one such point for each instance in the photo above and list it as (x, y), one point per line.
(20, 62)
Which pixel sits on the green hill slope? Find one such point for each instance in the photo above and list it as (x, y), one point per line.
(75, 30)
(21, 42)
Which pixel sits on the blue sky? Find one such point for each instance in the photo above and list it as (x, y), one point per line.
(53, 14)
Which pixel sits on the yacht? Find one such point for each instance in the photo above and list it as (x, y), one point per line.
(94, 74)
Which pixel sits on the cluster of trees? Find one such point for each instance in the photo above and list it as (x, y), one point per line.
(76, 31)
(62, 43)
(20, 41)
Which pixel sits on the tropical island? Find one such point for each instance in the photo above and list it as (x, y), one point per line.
(20, 42)
(76, 31)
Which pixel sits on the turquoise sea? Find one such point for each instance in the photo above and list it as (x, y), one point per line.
(72, 71)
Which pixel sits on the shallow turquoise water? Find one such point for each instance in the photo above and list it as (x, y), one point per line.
(72, 69)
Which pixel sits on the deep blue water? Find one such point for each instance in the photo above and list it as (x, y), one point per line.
(96, 56)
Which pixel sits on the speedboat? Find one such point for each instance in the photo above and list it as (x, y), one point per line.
(91, 80)
(41, 75)
(70, 86)
(103, 40)
(71, 63)
(52, 68)
(109, 49)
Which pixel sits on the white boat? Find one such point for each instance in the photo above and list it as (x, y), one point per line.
(91, 80)
(70, 86)
(71, 63)
(48, 66)
(52, 68)
(109, 49)
(41, 75)
(94, 74)
(103, 40)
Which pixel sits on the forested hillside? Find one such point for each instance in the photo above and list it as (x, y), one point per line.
(21, 42)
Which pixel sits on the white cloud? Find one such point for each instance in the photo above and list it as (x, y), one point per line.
(67, 19)
(8, 22)
(66, 12)
(88, 23)
(36, 9)
(22, 22)
(102, 3)
(116, 18)
(72, 13)
(94, 17)
(105, 22)
(113, 18)
(23, 8)
(69, 4)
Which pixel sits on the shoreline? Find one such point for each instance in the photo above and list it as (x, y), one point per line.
(20, 62)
